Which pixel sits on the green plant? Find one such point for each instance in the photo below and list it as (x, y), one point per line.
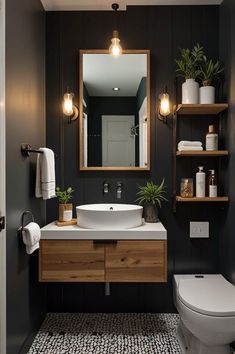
(209, 71)
(189, 64)
(64, 196)
(152, 193)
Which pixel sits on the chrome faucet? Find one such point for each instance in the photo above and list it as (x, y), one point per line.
(105, 187)
(119, 190)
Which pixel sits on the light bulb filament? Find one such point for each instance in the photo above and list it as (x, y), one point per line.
(164, 105)
(68, 104)
(115, 49)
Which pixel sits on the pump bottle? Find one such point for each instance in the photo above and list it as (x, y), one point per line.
(200, 183)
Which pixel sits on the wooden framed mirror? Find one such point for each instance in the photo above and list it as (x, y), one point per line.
(114, 105)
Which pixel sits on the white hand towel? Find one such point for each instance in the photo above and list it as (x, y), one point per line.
(190, 148)
(189, 143)
(31, 237)
(45, 174)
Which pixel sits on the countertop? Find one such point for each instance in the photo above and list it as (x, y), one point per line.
(147, 231)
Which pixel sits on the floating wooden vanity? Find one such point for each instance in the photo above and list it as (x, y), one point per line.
(72, 254)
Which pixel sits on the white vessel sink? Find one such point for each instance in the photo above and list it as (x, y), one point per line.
(109, 216)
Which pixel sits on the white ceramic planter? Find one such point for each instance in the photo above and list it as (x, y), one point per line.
(68, 215)
(207, 95)
(190, 92)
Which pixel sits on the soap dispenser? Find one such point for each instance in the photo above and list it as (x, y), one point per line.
(200, 183)
(212, 184)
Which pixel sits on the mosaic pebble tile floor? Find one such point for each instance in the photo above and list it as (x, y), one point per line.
(103, 333)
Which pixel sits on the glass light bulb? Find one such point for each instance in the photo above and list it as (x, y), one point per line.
(68, 104)
(164, 105)
(115, 49)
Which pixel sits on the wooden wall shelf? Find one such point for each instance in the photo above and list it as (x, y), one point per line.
(200, 109)
(202, 153)
(201, 200)
(197, 111)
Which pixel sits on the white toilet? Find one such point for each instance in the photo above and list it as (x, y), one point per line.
(206, 305)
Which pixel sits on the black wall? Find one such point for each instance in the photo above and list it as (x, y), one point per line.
(25, 56)
(141, 92)
(163, 30)
(227, 51)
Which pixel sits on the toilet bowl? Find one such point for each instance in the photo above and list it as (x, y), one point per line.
(206, 305)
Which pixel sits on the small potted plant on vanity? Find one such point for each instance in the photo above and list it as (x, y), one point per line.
(189, 68)
(209, 72)
(151, 196)
(65, 208)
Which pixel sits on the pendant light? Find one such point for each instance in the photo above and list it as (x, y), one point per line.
(115, 48)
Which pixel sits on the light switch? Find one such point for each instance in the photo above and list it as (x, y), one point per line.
(199, 229)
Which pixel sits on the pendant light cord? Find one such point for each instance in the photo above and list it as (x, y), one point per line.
(115, 7)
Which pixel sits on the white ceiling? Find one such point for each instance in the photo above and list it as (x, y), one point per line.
(102, 72)
(96, 5)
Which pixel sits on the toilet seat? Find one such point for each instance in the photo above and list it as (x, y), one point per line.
(211, 295)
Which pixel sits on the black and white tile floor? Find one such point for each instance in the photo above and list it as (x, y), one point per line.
(103, 333)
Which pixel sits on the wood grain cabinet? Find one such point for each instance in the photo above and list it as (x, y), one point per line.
(71, 261)
(102, 261)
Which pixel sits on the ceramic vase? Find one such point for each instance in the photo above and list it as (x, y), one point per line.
(65, 212)
(150, 212)
(207, 95)
(190, 92)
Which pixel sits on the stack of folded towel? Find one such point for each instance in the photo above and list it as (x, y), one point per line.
(185, 145)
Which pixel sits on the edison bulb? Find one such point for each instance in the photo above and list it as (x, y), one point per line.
(164, 105)
(115, 49)
(68, 104)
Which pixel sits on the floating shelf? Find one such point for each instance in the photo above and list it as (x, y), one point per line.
(202, 153)
(200, 109)
(201, 200)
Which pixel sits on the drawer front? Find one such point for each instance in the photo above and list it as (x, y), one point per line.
(136, 261)
(71, 261)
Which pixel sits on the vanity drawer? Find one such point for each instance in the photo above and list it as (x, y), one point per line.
(71, 261)
(136, 261)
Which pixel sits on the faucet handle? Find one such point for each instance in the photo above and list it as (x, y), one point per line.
(105, 187)
(119, 190)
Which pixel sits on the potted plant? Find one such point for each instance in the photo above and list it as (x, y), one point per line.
(65, 208)
(151, 196)
(189, 68)
(209, 71)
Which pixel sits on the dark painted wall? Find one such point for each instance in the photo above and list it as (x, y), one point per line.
(227, 52)
(141, 93)
(162, 30)
(99, 106)
(25, 56)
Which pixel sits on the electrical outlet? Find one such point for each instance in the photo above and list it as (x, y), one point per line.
(199, 229)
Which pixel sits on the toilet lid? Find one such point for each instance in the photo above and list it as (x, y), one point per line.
(213, 296)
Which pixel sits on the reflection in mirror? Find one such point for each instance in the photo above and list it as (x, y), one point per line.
(114, 102)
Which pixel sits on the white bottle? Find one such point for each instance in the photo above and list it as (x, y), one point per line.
(211, 139)
(200, 183)
(212, 185)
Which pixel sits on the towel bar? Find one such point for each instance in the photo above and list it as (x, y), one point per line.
(26, 150)
(25, 213)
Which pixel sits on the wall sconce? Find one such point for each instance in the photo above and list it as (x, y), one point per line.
(115, 48)
(69, 109)
(164, 106)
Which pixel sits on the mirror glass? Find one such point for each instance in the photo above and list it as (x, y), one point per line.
(114, 110)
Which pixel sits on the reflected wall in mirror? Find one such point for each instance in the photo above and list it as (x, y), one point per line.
(115, 110)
